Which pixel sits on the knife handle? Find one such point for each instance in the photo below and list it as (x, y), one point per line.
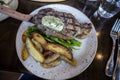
(110, 63)
(14, 14)
(116, 74)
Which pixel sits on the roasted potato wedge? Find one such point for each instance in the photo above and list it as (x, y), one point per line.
(24, 36)
(25, 53)
(39, 38)
(72, 62)
(37, 45)
(51, 64)
(50, 56)
(56, 48)
(37, 55)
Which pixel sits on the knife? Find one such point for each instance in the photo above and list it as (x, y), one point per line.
(116, 73)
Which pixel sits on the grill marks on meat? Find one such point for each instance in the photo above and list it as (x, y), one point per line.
(71, 29)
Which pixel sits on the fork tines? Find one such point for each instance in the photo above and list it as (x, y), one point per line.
(116, 26)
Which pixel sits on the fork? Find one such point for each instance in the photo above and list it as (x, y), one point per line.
(113, 34)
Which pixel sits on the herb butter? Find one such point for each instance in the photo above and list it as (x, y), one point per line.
(52, 23)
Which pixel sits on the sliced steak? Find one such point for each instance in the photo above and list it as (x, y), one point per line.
(72, 28)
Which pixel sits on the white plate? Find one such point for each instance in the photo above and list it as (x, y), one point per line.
(48, 0)
(84, 55)
(12, 5)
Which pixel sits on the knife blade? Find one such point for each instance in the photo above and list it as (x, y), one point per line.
(116, 73)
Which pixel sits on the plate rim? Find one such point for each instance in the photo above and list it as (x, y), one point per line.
(92, 27)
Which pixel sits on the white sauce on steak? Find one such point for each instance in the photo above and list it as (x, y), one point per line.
(52, 22)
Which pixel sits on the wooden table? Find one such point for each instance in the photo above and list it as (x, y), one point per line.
(8, 29)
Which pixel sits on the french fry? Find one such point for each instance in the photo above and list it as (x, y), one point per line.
(24, 36)
(39, 38)
(72, 62)
(56, 48)
(51, 64)
(25, 53)
(37, 55)
(37, 45)
(50, 56)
